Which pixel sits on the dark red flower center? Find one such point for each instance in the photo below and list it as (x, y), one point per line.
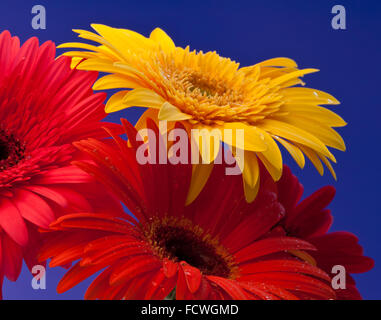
(11, 150)
(180, 243)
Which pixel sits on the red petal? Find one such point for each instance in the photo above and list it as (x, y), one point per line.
(192, 276)
(296, 282)
(283, 265)
(290, 190)
(160, 287)
(271, 245)
(230, 287)
(12, 222)
(182, 291)
(64, 175)
(267, 291)
(317, 201)
(12, 258)
(75, 275)
(169, 268)
(132, 268)
(50, 194)
(117, 252)
(92, 221)
(340, 248)
(254, 226)
(98, 286)
(33, 208)
(204, 291)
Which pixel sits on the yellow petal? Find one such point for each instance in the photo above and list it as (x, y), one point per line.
(124, 68)
(252, 71)
(314, 112)
(74, 62)
(250, 172)
(317, 128)
(207, 141)
(113, 81)
(293, 150)
(252, 138)
(250, 192)
(274, 172)
(88, 35)
(139, 97)
(292, 133)
(78, 45)
(102, 65)
(278, 62)
(289, 76)
(137, 39)
(275, 72)
(299, 93)
(96, 38)
(273, 155)
(313, 156)
(170, 113)
(163, 39)
(329, 166)
(122, 39)
(101, 52)
(142, 97)
(200, 175)
(80, 54)
(115, 103)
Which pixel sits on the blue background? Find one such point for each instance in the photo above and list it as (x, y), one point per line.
(251, 31)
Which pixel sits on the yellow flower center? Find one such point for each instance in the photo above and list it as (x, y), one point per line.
(210, 88)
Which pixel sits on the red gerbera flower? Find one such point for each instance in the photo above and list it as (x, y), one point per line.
(215, 248)
(310, 220)
(44, 107)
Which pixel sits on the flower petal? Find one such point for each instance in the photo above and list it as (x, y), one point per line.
(171, 113)
(159, 36)
(12, 222)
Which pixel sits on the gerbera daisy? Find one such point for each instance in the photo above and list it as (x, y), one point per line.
(44, 107)
(214, 248)
(207, 91)
(310, 220)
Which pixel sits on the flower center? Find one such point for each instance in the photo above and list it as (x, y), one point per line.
(213, 90)
(204, 86)
(11, 150)
(180, 241)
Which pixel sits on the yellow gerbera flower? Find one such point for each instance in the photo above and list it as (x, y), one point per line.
(207, 91)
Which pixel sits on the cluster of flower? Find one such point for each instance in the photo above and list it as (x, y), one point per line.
(193, 232)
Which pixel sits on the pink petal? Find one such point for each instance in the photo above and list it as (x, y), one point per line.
(12, 222)
(33, 208)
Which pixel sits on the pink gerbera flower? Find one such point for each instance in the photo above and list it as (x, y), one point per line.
(310, 220)
(44, 107)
